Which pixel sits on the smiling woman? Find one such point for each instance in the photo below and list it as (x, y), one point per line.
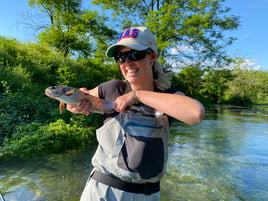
(132, 153)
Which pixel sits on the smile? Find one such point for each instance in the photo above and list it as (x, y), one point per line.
(131, 70)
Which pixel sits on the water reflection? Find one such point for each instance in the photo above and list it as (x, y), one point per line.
(223, 158)
(56, 177)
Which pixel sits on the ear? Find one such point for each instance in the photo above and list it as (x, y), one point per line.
(153, 57)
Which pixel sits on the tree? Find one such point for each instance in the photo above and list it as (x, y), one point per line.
(248, 85)
(71, 29)
(215, 84)
(188, 80)
(189, 32)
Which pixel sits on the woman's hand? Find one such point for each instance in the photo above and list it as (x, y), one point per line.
(122, 102)
(83, 108)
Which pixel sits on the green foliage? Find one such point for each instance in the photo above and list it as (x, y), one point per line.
(18, 109)
(189, 80)
(215, 83)
(247, 87)
(206, 86)
(25, 63)
(72, 31)
(197, 26)
(238, 86)
(26, 70)
(33, 138)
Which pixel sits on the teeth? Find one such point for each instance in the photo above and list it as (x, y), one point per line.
(131, 70)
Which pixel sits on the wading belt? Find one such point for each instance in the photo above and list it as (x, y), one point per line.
(146, 188)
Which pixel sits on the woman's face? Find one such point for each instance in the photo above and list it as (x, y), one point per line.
(138, 73)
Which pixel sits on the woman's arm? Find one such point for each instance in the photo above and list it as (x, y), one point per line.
(180, 107)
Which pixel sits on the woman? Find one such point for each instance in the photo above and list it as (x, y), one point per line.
(132, 151)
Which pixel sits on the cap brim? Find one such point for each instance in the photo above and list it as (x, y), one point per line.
(110, 52)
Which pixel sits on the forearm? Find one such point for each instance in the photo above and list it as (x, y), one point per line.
(180, 107)
(94, 92)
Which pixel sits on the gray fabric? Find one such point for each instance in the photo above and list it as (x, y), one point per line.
(135, 152)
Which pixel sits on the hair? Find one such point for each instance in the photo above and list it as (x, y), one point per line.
(161, 79)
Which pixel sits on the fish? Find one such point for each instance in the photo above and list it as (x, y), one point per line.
(74, 96)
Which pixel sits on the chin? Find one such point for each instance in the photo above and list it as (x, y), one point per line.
(132, 80)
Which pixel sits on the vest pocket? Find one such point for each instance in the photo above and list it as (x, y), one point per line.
(140, 154)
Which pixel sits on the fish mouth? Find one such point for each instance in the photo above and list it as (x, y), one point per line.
(50, 93)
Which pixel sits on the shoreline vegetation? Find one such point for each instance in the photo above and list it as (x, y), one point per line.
(30, 123)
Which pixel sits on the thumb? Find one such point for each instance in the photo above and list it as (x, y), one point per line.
(84, 90)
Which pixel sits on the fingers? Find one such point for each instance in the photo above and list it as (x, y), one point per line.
(122, 102)
(84, 90)
(83, 108)
(121, 108)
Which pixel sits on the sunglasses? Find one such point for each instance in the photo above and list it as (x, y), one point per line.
(133, 55)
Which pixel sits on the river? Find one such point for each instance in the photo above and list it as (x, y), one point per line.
(223, 158)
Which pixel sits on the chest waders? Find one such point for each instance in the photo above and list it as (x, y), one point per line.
(132, 153)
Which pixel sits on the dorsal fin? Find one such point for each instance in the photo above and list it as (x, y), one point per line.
(69, 93)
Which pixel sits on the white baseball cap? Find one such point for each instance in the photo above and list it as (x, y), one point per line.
(137, 38)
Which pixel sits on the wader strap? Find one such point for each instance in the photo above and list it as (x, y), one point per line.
(146, 188)
(1, 197)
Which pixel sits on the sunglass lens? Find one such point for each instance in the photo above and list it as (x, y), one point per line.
(133, 55)
(120, 59)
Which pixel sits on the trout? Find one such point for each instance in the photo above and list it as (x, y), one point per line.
(73, 96)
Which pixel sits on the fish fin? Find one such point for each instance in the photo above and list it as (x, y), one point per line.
(62, 105)
(69, 93)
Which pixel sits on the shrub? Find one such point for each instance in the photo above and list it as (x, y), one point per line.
(36, 139)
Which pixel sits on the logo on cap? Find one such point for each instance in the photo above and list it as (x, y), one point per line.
(129, 33)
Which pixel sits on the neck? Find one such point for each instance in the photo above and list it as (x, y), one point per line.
(148, 87)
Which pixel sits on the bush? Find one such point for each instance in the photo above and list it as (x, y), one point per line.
(25, 112)
(36, 139)
(240, 101)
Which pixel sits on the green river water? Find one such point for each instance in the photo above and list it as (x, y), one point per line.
(223, 158)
